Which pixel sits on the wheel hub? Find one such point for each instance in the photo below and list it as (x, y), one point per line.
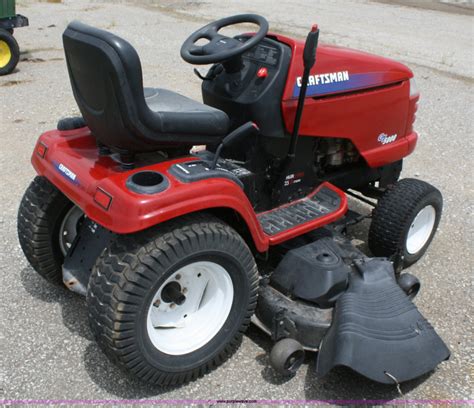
(68, 229)
(421, 229)
(190, 308)
(172, 293)
(5, 54)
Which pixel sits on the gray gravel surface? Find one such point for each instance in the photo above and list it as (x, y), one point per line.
(46, 346)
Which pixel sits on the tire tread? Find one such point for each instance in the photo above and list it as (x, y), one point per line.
(39, 208)
(392, 213)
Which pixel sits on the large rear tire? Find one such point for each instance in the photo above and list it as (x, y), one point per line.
(9, 52)
(405, 220)
(41, 226)
(171, 303)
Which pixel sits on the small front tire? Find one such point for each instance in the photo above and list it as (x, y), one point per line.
(171, 303)
(405, 220)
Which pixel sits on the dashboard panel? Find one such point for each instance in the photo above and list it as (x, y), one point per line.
(246, 94)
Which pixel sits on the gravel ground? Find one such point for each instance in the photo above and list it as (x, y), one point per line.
(46, 346)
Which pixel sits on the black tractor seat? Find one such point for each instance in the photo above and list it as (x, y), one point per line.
(180, 114)
(106, 78)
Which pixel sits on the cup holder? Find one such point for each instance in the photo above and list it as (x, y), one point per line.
(147, 182)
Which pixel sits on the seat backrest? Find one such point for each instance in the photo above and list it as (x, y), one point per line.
(106, 78)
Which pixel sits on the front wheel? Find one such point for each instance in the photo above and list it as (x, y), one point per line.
(171, 303)
(405, 220)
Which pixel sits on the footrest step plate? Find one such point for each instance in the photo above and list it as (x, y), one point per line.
(321, 207)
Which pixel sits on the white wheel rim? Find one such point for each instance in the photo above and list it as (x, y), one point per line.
(421, 229)
(178, 329)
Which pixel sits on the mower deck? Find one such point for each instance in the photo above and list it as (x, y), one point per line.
(365, 321)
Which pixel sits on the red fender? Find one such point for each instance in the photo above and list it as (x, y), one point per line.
(70, 160)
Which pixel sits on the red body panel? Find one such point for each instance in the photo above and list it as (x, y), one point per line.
(370, 100)
(130, 212)
(84, 172)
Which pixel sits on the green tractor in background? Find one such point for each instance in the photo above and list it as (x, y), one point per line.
(9, 50)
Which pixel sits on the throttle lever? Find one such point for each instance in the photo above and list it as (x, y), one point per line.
(212, 73)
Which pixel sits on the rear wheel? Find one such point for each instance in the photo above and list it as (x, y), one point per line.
(47, 226)
(405, 220)
(171, 303)
(9, 52)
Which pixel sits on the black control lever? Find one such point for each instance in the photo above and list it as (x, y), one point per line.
(309, 58)
(245, 130)
(212, 73)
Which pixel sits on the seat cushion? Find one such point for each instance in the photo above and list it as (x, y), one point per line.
(182, 115)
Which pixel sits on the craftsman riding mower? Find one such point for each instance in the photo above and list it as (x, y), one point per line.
(182, 222)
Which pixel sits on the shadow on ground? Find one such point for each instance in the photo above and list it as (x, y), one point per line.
(115, 381)
(74, 314)
(346, 385)
(73, 307)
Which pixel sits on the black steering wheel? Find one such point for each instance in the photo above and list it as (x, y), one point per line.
(221, 48)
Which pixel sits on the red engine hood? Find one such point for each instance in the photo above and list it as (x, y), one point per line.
(340, 70)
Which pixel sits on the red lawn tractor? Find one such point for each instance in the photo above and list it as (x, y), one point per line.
(177, 252)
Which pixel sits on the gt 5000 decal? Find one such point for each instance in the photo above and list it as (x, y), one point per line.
(384, 138)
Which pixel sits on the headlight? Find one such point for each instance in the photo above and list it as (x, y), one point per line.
(413, 88)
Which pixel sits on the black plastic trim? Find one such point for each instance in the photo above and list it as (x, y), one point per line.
(133, 183)
(182, 174)
(14, 22)
(284, 318)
